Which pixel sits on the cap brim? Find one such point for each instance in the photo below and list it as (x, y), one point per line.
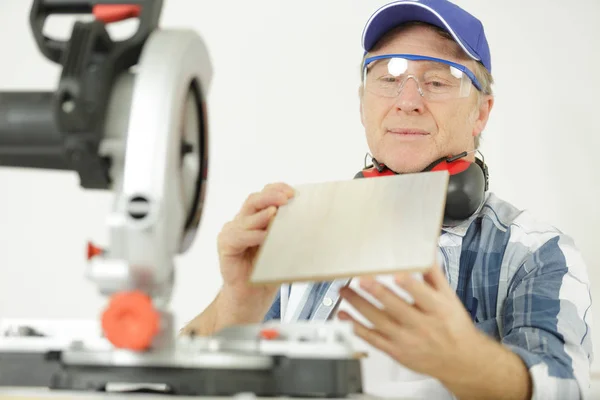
(394, 14)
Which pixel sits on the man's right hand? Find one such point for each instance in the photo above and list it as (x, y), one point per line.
(238, 243)
(239, 302)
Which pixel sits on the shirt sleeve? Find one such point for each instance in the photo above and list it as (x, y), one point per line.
(547, 320)
(274, 312)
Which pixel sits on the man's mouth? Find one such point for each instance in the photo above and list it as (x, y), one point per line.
(408, 132)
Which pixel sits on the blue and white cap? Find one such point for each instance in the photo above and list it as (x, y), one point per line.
(465, 28)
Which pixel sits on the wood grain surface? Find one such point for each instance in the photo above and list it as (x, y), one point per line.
(352, 228)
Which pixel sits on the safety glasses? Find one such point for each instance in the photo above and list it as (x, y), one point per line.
(436, 79)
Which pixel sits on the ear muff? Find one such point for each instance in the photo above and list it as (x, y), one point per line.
(467, 185)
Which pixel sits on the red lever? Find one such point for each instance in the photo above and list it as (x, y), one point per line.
(93, 251)
(269, 333)
(108, 13)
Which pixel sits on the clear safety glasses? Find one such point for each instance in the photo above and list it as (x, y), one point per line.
(436, 79)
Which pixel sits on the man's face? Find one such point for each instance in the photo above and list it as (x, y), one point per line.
(446, 128)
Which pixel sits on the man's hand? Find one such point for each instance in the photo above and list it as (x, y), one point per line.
(427, 336)
(240, 238)
(238, 302)
(435, 336)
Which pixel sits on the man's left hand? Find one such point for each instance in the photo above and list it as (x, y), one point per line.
(434, 336)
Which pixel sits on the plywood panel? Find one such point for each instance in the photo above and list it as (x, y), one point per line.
(359, 227)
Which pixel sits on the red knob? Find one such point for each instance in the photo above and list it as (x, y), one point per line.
(130, 321)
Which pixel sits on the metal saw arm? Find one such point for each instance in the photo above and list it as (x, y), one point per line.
(140, 134)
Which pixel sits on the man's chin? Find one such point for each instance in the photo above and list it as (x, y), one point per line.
(406, 169)
(407, 165)
(407, 157)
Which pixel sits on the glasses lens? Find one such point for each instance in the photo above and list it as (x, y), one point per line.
(436, 80)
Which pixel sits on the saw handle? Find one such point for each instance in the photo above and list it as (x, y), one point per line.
(148, 12)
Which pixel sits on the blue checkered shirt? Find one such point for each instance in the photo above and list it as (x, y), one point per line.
(524, 283)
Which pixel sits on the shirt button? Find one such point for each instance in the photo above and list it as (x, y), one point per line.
(327, 302)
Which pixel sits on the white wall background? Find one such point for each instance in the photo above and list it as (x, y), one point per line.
(287, 72)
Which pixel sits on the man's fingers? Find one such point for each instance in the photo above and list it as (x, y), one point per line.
(281, 187)
(272, 195)
(425, 297)
(233, 240)
(261, 200)
(246, 239)
(260, 220)
(372, 336)
(380, 319)
(394, 305)
(436, 278)
(247, 229)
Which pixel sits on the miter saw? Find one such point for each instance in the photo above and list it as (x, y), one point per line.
(130, 117)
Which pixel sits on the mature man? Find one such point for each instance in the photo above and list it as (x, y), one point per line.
(507, 314)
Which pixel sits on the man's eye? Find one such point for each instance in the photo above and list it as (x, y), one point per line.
(437, 84)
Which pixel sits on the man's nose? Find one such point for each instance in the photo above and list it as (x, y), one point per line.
(409, 99)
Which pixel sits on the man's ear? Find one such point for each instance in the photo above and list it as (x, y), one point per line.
(483, 114)
(360, 105)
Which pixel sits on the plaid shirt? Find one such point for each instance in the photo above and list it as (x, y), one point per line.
(523, 282)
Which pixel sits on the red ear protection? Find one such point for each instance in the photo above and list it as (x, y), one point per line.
(467, 184)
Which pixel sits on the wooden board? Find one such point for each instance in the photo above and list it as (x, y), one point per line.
(343, 229)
